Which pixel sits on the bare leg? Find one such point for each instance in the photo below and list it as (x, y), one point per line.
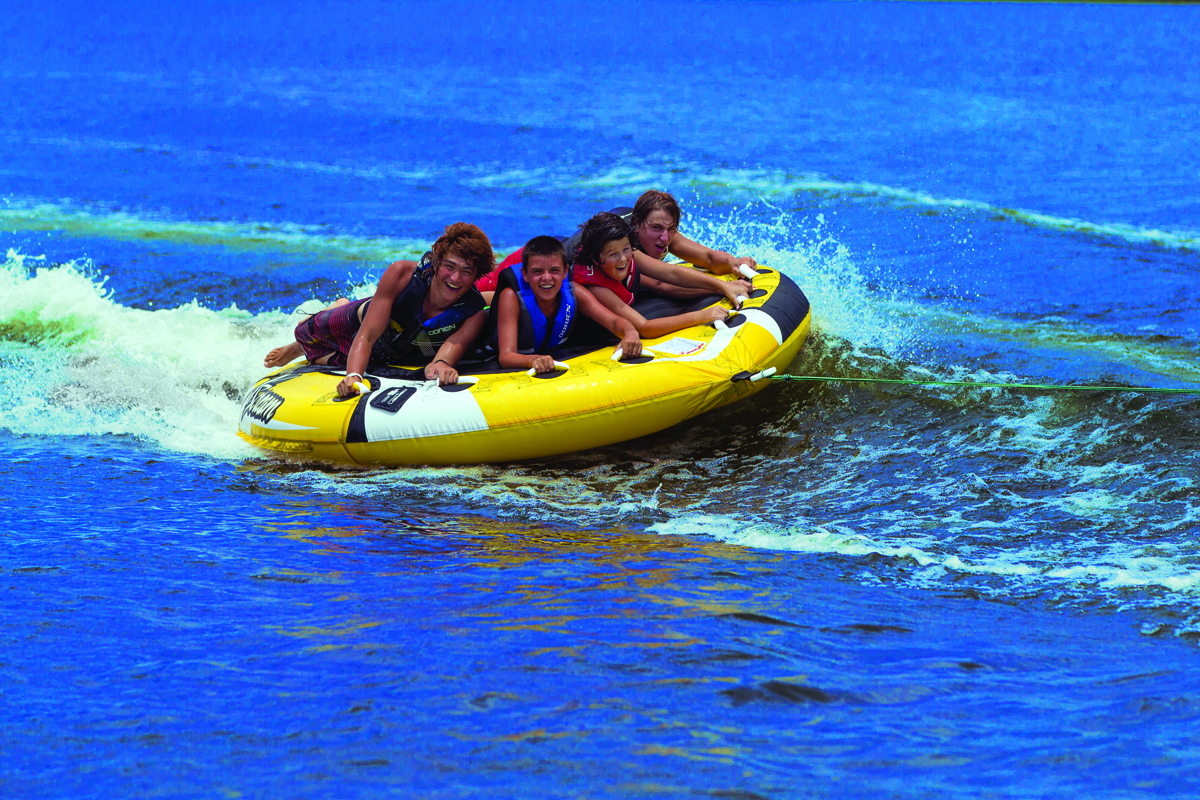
(291, 351)
(283, 355)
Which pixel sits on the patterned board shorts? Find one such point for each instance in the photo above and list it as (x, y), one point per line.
(329, 333)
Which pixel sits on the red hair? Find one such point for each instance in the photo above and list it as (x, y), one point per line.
(468, 242)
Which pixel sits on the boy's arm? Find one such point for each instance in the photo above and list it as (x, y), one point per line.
(453, 349)
(691, 278)
(716, 261)
(631, 342)
(379, 312)
(661, 326)
(608, 298)
(669, 289)
(507, 320)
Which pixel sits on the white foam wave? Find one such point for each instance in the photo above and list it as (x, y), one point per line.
(828, 272)
(76, 363)
(632, 177)
(499, 492)
(741, 185)
(317, 241)
(210, 156)
(1107, 566)
(1175, 360)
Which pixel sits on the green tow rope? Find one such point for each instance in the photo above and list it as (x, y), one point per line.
(978, 385)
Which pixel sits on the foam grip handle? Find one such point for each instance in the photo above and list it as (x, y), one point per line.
(363, 388)
(558, 365)
(720, 325)
(618, 355)
(766, 373)
(747, 273)
(741, 298)
(467, 379)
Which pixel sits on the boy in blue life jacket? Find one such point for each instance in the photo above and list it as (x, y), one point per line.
(537, 307)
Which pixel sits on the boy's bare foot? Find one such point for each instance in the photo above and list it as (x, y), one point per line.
(283, 355)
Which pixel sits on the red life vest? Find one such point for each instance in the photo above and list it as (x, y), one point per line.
(594, 276)
(489, 282)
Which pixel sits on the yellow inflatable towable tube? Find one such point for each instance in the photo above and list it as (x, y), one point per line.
(507, 415)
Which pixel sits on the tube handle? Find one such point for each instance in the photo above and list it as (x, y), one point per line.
(558, 366)
(766, 373)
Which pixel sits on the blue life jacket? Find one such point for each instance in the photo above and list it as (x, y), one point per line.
(535, 332)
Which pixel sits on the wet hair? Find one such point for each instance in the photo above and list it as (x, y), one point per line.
(654, 200)
(468, 242)
(598, 231)
(543, 246)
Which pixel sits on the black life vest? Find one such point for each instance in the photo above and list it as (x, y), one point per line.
(407, 337)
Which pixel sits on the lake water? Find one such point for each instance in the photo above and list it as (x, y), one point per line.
(830, 590)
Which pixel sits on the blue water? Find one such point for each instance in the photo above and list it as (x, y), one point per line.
(830, 590)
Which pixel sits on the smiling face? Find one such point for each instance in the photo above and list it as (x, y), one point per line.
(615, 259)
(656, 231)
(451, 280)
(545, 274)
